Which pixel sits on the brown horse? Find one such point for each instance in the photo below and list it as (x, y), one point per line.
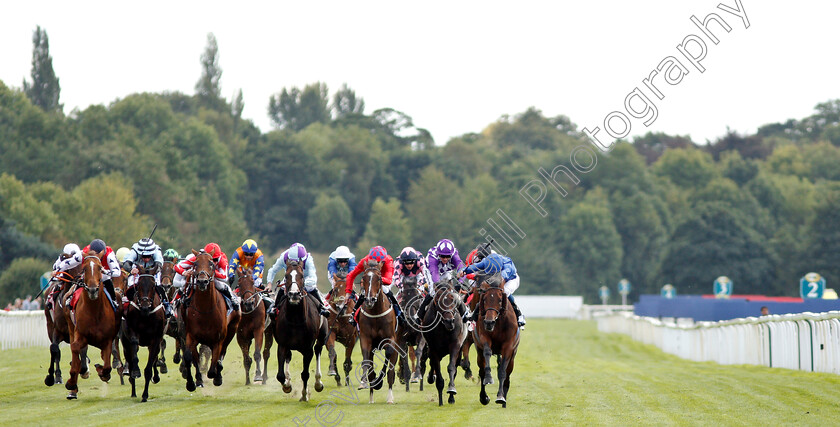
(299, 326)
(57, 329)
(496, 332)
(206, 321)
(173, 329)
(143, 326)
(444, 336)
(340, 328)
(96, 323)
(377, 331)
(252, 324)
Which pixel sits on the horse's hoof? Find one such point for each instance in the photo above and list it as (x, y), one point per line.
(287, 388)
(135, 373)
(155, 379)
(338, 381)
(501, 401)
(72, 395)
(190, 387)
(144, 399)
(85, 375)
(217, 381)
(484, 399)
(49, 381)
(176, 359)
(415, 378)
(58, 379)
(451, 398)
(164, 369)
(257, 378)
(319, 387)
(69, 387)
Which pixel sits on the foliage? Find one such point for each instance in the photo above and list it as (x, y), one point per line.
(22, 278)
(44, 90)
(328, 222)
(387, 227)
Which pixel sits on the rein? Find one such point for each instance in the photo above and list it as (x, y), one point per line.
(137, 294)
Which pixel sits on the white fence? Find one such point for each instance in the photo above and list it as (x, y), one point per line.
(805, 341)
(23, 329)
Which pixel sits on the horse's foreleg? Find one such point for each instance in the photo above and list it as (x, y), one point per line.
(304, 375)
(434, 363)
(245, 346)
(190, 359)
(465, 359)
(54, 371)
(417, 375)
(480, 360)
(215, 370)
(454, 351)
(75, 366)
(269, 340)
(105, 371)
(281, 372)
(391, 355)
(258, 344)
(504, 363)
(332, 371)
(147, 372)
(161, 361)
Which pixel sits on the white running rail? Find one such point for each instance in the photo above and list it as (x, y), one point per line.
(804, 341)
(23, 329)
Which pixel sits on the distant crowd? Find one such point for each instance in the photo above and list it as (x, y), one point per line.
(24, 304)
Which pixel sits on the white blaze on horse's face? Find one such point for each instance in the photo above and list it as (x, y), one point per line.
(294, 286)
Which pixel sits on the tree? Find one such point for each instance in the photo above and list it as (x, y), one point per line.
(387, 227)
(208, 88)
(687, 168)
(346, 103)
(295, 109)
(44, 91)
(643, 239)
(328, 222)
(822, 250)
(236, 110)
(652, 145)
(22, 278)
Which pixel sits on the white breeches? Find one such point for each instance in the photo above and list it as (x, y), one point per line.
(132, 279)
(511, 286)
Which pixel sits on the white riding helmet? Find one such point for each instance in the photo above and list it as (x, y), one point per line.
(342, 252)
(71, 249)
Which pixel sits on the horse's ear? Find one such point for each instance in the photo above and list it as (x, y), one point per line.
(195, 252)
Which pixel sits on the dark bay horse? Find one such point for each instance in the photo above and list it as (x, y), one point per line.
(445, 336)
(206, 321)
(143, 326)
(57, 329)
(408, 335)
(173, 325)
(299, 326)
(96, 323)
(340, 328)
(252, 324)
(496, 332)
(377, 331)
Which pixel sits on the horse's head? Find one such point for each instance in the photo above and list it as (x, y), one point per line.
(203, 270)
(167, 274)
(247, 290)
(493, 301)
(145, 293)
(409, 288)
(294, 282)
(446, 303)
(338, 295)
(372, 283)
(91, 274)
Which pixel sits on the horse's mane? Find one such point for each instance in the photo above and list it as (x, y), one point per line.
(292, 264)
(340, 275)
(371, 264)
(494, 280)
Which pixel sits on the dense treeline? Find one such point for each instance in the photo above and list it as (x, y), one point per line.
(762, 209)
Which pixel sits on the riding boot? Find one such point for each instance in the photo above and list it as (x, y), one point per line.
(109, 286)
(167, 308)
(321, 308)
(358, 306)
(272, 311)
(396, 306)
(519, 317)
(421, 312)
(234, 303)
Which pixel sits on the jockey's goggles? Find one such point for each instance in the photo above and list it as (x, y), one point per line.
(342, 260)
(249, 253)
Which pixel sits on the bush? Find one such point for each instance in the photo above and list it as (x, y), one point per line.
(22, 278)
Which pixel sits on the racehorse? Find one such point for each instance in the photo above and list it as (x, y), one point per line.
(173, 325)
(252, 324)
(143, 326)
(470, 298)
(340, 328)
(298, 326)
(409, 336)
(120, 286)
(57, 329)
(206, 321)
(496, 332)
(444, 334)
(377, 329)
(96, 323)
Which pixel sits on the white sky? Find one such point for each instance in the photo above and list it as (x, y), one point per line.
(455, 67)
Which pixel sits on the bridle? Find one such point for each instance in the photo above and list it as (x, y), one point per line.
(145, 301)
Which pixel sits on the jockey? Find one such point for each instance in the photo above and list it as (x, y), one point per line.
(220, 275)
(495, 263)
(297, 252)
(70, 257)
(341, 259)
(146, 254)
(378, 254)
(110, 266)
(410, 263)
(250, 256)
(442, 258)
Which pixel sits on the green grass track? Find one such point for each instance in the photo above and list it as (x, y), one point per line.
(566, 373)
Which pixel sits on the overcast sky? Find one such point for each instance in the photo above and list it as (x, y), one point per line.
(455, 67)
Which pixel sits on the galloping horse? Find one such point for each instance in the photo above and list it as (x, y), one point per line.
(409, 336)
(252, 324)
(57, 329)
(299, 326)
(120, 285)
(96, 323)
(340, 328)
(377, 329)
(173, 325)
(206, 321)
(445, 335)
(496, 332)
(144, 324)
